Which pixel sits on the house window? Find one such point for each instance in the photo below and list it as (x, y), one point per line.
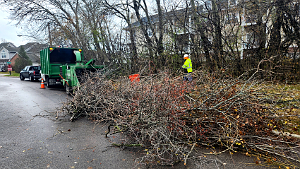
(251, 42)
(247, 43)
(231, 18)
(3, 54)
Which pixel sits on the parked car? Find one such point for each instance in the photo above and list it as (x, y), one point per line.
(31, 72)
(3, 68)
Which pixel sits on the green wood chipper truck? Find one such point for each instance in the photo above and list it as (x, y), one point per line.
(65, 67)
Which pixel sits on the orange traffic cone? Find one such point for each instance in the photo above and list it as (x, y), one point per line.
(42, 84)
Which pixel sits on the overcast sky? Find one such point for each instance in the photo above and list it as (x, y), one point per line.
(9, 32)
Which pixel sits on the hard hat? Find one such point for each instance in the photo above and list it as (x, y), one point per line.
(185, 56)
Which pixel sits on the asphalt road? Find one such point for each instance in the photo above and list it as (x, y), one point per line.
(32, 137)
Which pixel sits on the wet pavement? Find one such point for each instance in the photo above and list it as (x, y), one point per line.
(33, 136)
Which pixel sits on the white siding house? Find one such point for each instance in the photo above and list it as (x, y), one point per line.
(7, 51)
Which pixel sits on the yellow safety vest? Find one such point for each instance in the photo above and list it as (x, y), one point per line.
(188, 65)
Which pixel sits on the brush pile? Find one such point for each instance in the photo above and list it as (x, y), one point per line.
(170, 118)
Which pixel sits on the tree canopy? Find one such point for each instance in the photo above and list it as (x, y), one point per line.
(131, 35)
(22, 61)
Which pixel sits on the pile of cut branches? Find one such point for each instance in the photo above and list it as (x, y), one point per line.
(171, 117)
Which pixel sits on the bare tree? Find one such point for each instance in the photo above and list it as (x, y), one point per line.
(94, 17)
(64, 19)
(143, 26)
(122, 10)
(200, 37)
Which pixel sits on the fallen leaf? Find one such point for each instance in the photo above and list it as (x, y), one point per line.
(90, 168)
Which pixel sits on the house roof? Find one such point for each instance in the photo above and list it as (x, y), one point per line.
(36, 48)
(34, 58)
(9, 46)
(32, 49)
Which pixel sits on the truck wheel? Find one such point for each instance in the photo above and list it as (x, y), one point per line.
(21, 77)
(47, 83)
(31, 78)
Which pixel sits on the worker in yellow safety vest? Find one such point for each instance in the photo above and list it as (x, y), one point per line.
(187, 67)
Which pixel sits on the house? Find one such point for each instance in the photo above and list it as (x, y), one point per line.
(241, 34)
(32, 50)
(180, 28)
(173, 22)
(13, 59)
(7, 51)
